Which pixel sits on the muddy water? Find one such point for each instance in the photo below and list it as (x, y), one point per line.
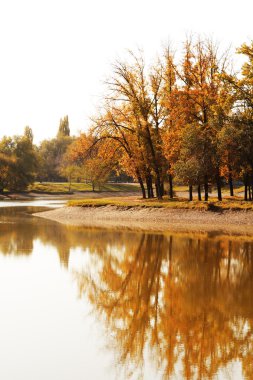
(81, 303)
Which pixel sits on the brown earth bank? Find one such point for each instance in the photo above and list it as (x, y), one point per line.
(227, 222)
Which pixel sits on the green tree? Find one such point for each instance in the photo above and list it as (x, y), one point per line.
(7, 161)
(28, 133)
(18, 162)
(64, 129)
(51, 153)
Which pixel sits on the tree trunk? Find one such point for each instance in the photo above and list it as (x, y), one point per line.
(199, 192)
(230, 182)
(206, 188)
(157, 190)
(246, 187)
(170, 186)
(250, 185)
(158, 182)
(218, 182)
(148, 187)
(158, 186)
(162, 188)
(190, 192)
(141, 185)
(151, 189)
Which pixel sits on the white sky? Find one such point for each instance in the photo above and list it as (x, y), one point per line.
(55, 54)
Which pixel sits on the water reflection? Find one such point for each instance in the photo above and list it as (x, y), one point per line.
(187, 301)
(19, 230)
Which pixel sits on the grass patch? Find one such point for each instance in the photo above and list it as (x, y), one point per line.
(180, 188)
(63, 187)
(121, 187)
(166, 203)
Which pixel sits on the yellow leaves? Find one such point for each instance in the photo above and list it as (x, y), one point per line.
(247, 68)
(246, 50)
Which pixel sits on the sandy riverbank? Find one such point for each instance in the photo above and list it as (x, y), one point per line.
(153, 219)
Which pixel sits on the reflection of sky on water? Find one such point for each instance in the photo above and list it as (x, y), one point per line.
(33, 203)
(89, 304)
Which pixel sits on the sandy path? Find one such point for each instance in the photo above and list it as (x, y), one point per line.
(153, 219)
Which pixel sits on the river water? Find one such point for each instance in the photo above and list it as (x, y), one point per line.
(98, 304)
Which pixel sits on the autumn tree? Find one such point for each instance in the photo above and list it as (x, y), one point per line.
(242, 117)
(187, 118)
(190, 166)
(169, 133)
(196, 104)
(95, 159)
(133, 118)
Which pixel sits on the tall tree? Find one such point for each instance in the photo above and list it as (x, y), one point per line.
(64, 129)
(194, 105)
(51, 153)
(241, 121)
(28, 133)
(134, 117)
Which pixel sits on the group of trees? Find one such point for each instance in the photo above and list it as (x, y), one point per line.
(191, 120)
(22, 162)
(188, 118)
(61, 158)
(18, 161)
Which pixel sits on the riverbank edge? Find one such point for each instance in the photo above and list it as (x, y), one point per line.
(239, 223)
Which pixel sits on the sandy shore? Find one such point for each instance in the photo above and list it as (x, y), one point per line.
(153, 219)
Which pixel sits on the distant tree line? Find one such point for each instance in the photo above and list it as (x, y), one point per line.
(22, 162)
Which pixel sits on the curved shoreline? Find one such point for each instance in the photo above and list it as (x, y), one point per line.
(154, 220)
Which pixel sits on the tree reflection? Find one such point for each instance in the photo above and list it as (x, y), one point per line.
(19, 231)
(189, 300)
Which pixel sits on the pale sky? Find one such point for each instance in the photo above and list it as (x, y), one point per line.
(55, 54)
